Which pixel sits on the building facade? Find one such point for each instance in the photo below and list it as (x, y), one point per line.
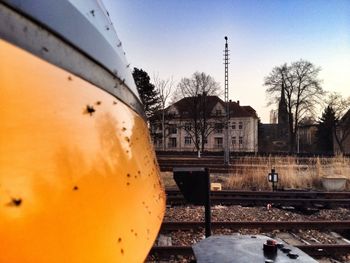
(275, 137)
(342, 141)
(306, 138)
(205, 116)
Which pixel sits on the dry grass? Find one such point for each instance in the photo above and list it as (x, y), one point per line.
(167, 179)
(295, 173)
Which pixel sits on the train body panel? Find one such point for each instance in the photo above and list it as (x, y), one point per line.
(79, 181)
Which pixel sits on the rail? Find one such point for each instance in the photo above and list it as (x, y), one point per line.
(281, 198)
(263, 225)
(315, 250)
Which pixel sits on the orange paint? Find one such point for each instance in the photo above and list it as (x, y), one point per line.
(80, 164)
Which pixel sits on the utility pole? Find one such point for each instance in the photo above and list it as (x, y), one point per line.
(227, 144)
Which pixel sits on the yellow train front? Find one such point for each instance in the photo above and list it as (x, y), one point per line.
(79, 181)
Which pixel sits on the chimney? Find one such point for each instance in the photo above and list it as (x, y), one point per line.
(238, 102)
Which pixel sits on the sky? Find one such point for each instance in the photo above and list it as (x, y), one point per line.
(175, 38)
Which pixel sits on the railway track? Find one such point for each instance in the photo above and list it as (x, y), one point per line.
(287, 193)
(216, 164)
(280, 198)
(196, 229)
(262, 225)
(314, 250)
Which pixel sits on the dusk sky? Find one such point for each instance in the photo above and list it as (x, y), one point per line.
(179, 37)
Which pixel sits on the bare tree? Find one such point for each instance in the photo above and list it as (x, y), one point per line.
(198, 88)
(341, 125)
(302, 89)
(339, 104)
(199, 83)
(164, 89)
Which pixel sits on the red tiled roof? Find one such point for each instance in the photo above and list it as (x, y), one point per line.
(185, 106)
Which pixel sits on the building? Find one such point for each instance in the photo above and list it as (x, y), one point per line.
(341, 142)
(273, 116)
(306, 138)
(275, 137)
(203, 119)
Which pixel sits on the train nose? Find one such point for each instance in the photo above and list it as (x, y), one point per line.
(78, 177)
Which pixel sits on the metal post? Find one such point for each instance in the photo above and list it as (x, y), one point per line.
(298, 140)
(207, 208)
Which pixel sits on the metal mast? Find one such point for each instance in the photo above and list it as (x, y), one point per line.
(227, 145)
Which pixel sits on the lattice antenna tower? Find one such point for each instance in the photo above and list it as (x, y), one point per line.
(227, 144)
(226, 59)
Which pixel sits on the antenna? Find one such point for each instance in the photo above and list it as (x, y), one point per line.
(227, 144)
(226, 69)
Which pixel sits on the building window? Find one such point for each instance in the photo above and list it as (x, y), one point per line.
(218, 142)
(240, 125)
(218, 127)
(173, 129)
(233, 125)
(205, 140)
(218, 112)
(172, 142)
(188, 126)
(188, 140)
(233, 140)
(240, 140)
